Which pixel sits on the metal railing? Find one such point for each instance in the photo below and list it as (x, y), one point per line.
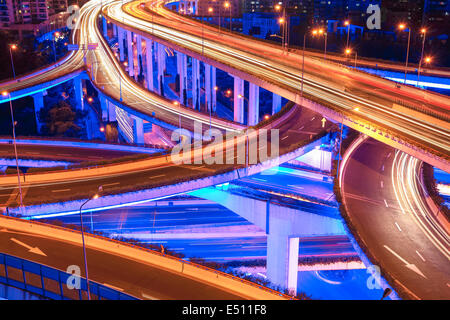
(49, 282)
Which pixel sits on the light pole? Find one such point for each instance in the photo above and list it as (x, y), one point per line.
(347, 24)
(55, 35)
(403, 27)
(96, 196)
(424, 33)
(322, 32)
(228, 6)
(303, 64)
(12, 47)
(4, 94)
(283, 21)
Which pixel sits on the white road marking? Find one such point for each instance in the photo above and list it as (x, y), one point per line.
(423, 259)
(382, 184)
(158, 176)
(113, 287)
(284, 138)
(398, 227)
(259, 179)
(110, 184)
(61, 190)
(410, 266)
(382, 168)
(30, 248)
(386, 204)
(146, 296)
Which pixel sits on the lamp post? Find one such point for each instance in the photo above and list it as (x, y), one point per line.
(322, 32)
(403, 27)
(4, 94)
(303, 64)
(55, 35)
(228, 6)
(283, 21)
(95, 196)
(12, 47)
(347, 24)
(424, 33)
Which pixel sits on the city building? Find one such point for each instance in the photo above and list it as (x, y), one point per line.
(25, 15)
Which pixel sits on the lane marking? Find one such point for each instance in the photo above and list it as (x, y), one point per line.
(146, 296)
(284, 138)
(158, 176)
(420, 256)
(61, 190)
(385, 202)
(410, 266)
(110, 184)
(398, 227)
(31, 249)
(382, 184)
(113, 287)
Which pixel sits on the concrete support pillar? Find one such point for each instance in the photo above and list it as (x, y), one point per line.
(138, 130)
(238, 102)
(253, 105)
(105, 28)
(149, 64)
(103, 106)
(214, 86)
(78, 88)
(111, 111)
(130, 54)
(139, 53)
(276, 103)
(182, 74)
(114, 30)
(208, 87)
(161, 65)
(121, 40)
(38, 99)
(195, 84)
(282, 260)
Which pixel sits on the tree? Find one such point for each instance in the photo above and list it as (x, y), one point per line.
(60, 120)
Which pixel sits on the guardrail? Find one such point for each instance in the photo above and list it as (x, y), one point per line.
(50, 282)
(121, 247)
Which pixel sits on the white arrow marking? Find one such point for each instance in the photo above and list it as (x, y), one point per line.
(410, 266)
(35, 250)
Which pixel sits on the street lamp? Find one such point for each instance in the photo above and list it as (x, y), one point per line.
(347, 24)
(424, 33)
(283, 20)
(228, 6)
(95, 196)
(349, 51)
(12, 47)
(4, 94)
(55, 35)
(403, 27)
(322, 32)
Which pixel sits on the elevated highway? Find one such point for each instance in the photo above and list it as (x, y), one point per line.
(391, 218)
(410, 119)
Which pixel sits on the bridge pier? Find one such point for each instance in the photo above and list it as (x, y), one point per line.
(130, 54)
(38, 99)
(276, 103)
(161, 61)
(103, 106)
(139, 54)
(195, 84)
(121, 41)
(253, 104)
(78, 88)
(182, 73)
(149, 63)
(238, 102)
(114, 29)
(111, 111)
(282, 260)
(138, 130)
(105, 28)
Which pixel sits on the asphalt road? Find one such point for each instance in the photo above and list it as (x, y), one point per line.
(140, 280)
(209, 231)
(392, 226)
(72, 154)
(298, 125)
